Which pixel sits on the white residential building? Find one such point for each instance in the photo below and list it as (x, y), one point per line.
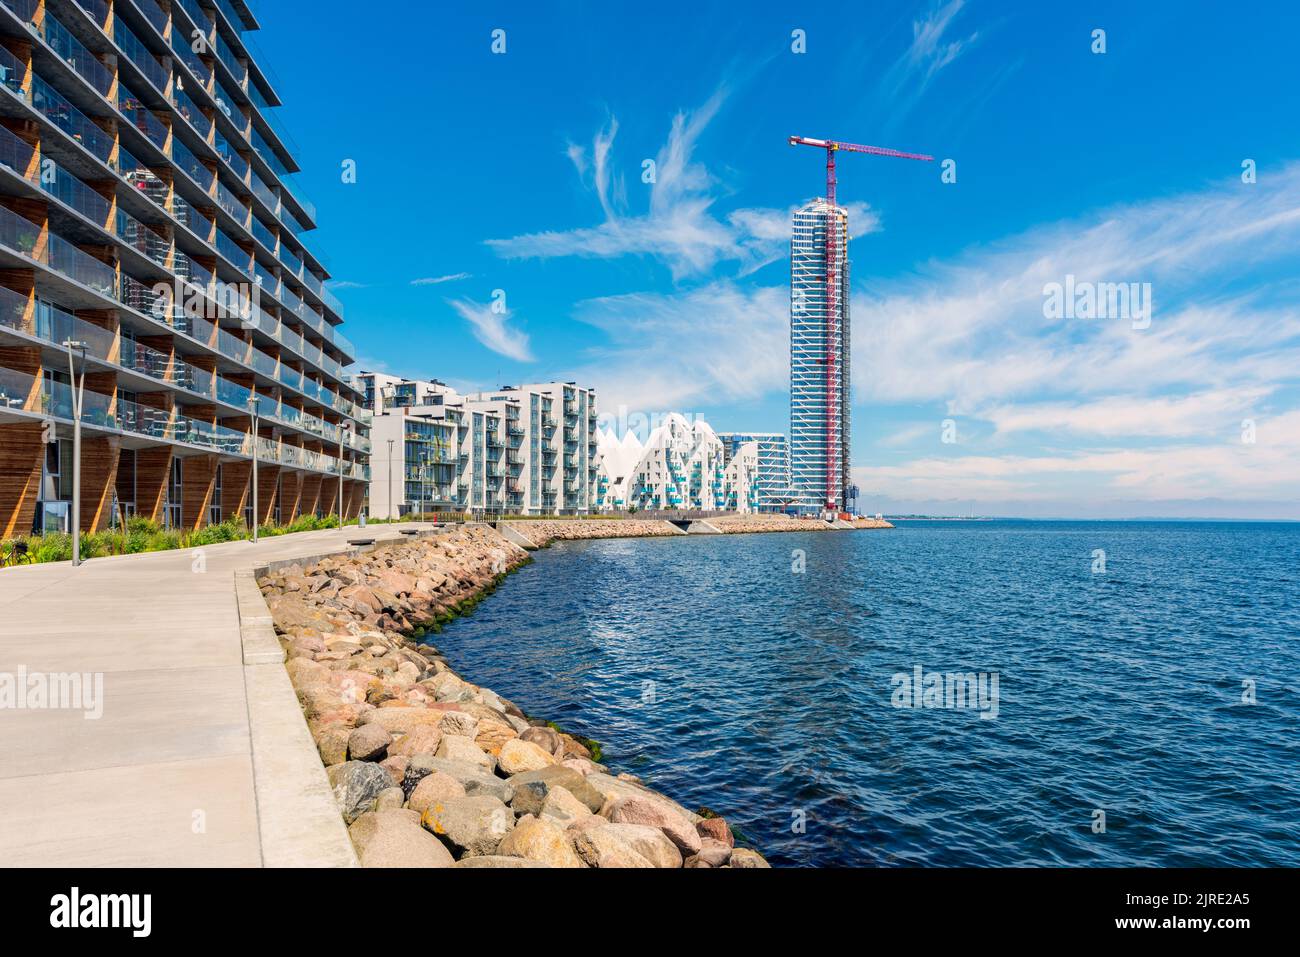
(772, 479)
(681, 465)
(518, 450)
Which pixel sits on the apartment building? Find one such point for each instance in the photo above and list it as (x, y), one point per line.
(151, 240)
(772, 473)
(518, 450)
(681, 465)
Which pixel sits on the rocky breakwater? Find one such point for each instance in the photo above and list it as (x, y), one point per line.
(430, 770)
(754, 522)
(861, 522)
(541, 532)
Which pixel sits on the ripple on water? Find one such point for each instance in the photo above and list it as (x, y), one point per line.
(705, 666)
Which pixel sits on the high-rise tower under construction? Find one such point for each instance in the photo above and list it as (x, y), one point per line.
(819, 357)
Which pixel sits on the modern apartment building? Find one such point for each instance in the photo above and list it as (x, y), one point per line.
(681, 465)
(150, 239)
(772, 473)
(517, 450)
(819, 361)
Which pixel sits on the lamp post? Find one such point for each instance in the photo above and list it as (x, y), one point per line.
(344, 427)
(252, 411)
(390, 480)
(78, 394)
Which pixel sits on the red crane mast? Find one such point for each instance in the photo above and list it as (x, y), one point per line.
(833, 440)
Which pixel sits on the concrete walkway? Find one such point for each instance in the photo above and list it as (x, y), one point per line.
(200, 758)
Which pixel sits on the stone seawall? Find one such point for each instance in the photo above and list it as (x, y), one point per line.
(542, 532)
(430, 770)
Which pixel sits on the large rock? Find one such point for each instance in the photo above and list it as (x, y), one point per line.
(532, 787)
(518, 756)
(717, 829)
(422, 739)
(437, 786)
(603, 847)
(711, 854)
(640, 810)
(563, 809)
(471, 776)
(470, 826)
(395, 839)
(402, 720)
(332, 743)
(548, 739)
(648, 842)
(356, 784)
(539, 840)
(454, 747)
(614, 788)
(458, 722)
(369, 743)
(744, 857)
(492, 735)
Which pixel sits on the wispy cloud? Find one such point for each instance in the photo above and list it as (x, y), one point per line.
(680, 226)
(717, 343)
(345, 284)
(931, 50)
(437, 280)
(493, 330)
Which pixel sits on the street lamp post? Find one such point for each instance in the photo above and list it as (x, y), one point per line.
(390, 480)
(252, 410)
(78, 394)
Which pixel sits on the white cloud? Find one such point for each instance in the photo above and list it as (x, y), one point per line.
(717, 343)
(492, 329)
(437, 280)
(680, 226)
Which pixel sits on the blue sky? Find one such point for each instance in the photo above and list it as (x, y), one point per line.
(523, 172)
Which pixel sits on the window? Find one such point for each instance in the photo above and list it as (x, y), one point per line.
(175, 489)
(214, 507)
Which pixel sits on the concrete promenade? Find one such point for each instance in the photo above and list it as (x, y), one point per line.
(201, 757)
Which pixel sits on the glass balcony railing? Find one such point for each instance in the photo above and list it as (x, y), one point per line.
(71, 50)
(71, 191)
(228, 56)
(189, 164)
(231, 203)
(139, 54)
(97, 10)
(59, 111)
(192, 114)
(154, 14)
(142, 117)
(263, 192)
(232, 251)
(263, 235)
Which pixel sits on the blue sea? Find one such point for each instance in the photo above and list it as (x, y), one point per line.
(1146, 708)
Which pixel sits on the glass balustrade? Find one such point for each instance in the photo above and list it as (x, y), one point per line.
(189, 164)
(16, 154)
(68, 118)
(154, 14)
(71, 50)
(231, 59)
(263, 192)
(139, 54)
(232, 158)
(191, 112)
(97, 10)
(232, 251)
(142, 118)
(263, 235)
(71, 191)
(231, 203)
